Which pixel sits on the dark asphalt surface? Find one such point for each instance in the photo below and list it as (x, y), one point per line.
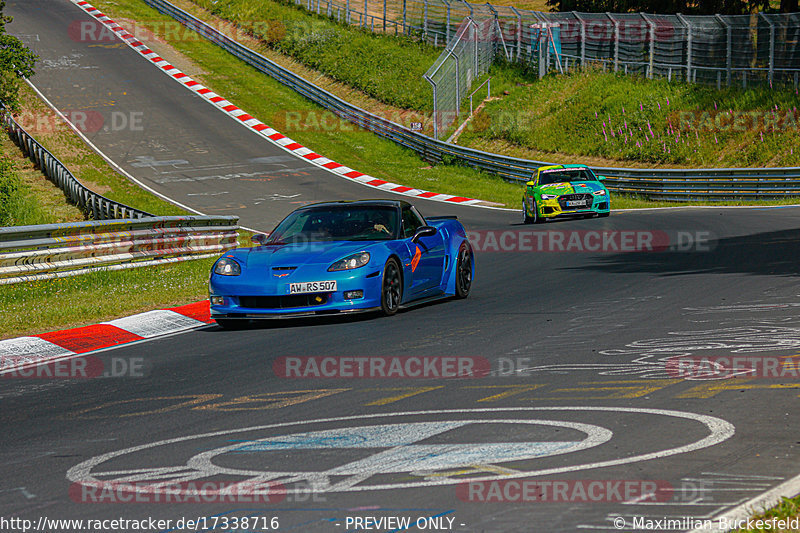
(576, 341)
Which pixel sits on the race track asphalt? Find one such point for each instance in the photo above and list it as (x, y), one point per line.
(576, 341)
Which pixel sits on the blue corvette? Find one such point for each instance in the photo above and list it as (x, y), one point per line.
(342, 257)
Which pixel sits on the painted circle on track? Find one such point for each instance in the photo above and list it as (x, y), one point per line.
(360, 457)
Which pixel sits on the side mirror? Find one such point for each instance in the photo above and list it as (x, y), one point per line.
(259, 238)
(601, 178)
(424, 231)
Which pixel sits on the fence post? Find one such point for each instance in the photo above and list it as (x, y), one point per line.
(519, 30)
(583, 38)
(425, 20)
(404, 16)
(475, 41)
(729, 47)
(347, 12)
(447, 30)
(616, 40)
(652, 38)
(686, 23)
(365, 14)
(771, 48)
(542, 50)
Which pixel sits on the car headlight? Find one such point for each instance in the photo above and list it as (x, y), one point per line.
(350, 262)
(600, 193)
(549, 196)
(227, 267)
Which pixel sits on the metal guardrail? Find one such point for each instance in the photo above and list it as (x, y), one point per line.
(49, 251)
(95, 205)
(659, 184)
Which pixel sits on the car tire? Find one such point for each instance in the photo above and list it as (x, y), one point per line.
(536, 218)
(231, 323)
(588, 215)
(526, 219)
(464, 271)
(391, 288)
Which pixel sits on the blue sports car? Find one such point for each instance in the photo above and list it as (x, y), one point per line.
(343, 257)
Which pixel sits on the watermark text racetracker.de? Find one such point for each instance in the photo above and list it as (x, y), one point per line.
(590, 241)
(705, 367)
(83, 367)
(376, 367)
(531, 491)
(108, 525)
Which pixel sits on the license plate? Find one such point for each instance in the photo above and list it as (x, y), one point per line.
(312, 286)
(576, 203)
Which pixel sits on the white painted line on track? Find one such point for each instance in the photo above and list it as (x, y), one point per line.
(719, 431)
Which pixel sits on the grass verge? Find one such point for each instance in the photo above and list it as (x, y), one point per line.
(785, 511)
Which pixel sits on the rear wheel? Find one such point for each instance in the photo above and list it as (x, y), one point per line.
(391, 288)
(464, 271)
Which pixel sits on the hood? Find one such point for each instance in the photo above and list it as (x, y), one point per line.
(574, 187)
(311, 253)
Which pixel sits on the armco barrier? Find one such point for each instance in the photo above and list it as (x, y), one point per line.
(663, 184)
(59, 250)
(95, 205)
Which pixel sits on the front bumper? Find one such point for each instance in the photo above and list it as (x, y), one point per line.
(244, 300)
(552, 209)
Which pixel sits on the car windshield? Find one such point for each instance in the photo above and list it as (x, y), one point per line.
(562, 175)
(337, 223)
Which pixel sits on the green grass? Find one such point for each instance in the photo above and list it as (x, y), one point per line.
(788, 509)
(656, 123)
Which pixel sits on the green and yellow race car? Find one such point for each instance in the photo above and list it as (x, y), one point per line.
(564, 190)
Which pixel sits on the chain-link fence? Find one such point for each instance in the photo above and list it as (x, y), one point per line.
(720, 50)
(467, 56)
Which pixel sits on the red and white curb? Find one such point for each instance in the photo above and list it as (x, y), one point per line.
(25, 352)
(262, 129)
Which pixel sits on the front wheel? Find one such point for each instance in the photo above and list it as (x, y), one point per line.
(525, 218)
(391, 288)
(463, 271)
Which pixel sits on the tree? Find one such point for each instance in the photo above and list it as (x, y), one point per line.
(16, 62)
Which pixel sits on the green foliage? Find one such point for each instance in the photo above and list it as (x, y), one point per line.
(385, 67)
(16, 62)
